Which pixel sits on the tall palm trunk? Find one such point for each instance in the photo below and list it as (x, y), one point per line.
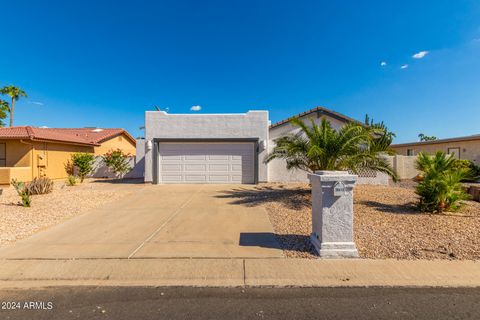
(12, 107)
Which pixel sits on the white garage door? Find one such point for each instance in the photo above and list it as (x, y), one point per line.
(207, 162)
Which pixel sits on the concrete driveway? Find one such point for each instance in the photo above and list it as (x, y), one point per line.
(160, 221)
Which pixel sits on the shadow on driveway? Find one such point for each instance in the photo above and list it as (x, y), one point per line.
(288, 242)
(291, 198)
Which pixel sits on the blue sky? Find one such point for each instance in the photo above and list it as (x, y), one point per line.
(92, 63)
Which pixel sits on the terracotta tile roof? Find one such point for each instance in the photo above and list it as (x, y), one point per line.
(320, 111)
(86, 136)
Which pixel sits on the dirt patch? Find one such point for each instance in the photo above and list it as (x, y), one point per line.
(386, 223)
(47, 210)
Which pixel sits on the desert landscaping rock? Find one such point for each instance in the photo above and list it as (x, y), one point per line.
(48, 210)
(386, 224)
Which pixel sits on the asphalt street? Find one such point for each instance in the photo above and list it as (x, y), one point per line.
(239, 303)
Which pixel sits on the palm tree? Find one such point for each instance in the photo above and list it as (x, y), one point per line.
(441, 188)
(14, 93)
(423, 137)
(320, 147)
(4, 110)
(383, 138)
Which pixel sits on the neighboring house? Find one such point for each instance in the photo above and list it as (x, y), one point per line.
(28, 152)
(220, 148)
(277, 170)
(461, 147)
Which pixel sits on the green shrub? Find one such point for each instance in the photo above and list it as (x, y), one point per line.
(41, 185)
(117, 162)
(441, 189)
(83, 162)
(474, 171)
(22, 191)
(71, 181)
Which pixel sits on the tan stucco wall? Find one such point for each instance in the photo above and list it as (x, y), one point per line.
(469, 150)
(49, 159)
(119, 142)
(18, 154)
(404, 166)
(19, 173)
(55, 157)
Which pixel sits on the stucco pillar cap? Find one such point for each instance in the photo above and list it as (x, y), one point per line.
(326, 176)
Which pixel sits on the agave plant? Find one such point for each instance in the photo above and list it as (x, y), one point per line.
(320, 147)
(441, 189)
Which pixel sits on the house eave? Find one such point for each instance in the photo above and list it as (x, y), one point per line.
(320, 111)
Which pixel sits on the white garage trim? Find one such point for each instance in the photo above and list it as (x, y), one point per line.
(206, 161)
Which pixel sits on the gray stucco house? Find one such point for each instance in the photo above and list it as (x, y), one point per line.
(219, 148)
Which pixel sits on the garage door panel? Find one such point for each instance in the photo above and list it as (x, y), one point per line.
(195, 167)
(218, 157)
(218, 167)
(238, 167)
(194, 157)
(172, 178)
(172, 167)
(206, 162)
(219, 178)
(167, 157)
(237, 179)
(195, 178)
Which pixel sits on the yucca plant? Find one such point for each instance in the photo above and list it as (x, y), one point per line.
(441, 189)
(320, 147)
(42, 185)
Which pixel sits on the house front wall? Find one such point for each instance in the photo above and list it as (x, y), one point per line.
(469, 150)
(26, 160)
(17, 154)
(196, 127)
(121, 142)
(277, 169)
(49, 159)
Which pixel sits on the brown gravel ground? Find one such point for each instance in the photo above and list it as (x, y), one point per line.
(17, 222)
(386, 222)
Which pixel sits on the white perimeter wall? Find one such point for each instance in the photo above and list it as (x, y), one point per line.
(137, 164)
(277, 169)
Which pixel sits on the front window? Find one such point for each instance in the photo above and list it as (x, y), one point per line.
(3, 155)
(410, 152)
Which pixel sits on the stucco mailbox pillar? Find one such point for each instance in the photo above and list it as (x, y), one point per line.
(332, 213)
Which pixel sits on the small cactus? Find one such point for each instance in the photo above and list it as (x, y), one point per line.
(23, 192)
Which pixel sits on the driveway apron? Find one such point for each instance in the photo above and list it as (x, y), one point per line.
(159, 221)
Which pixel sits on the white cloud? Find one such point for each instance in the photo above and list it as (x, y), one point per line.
(196, 108)
(405, 66)
(38, 103)
(383, 63)
(420, 55)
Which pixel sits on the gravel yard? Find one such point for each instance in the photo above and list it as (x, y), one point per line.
(47, 210)
(387, 225)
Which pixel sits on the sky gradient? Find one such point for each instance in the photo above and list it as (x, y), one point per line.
(92, 63)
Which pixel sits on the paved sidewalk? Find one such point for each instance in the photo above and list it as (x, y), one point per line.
(239, 272)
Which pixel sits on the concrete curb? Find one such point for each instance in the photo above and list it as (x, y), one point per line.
(239, 272)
